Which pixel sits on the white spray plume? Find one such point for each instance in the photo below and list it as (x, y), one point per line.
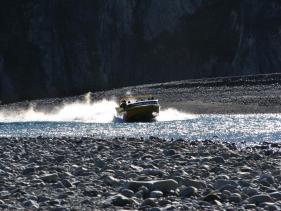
(128, 93)
(102, 111)
(172, 114)
(84, 111)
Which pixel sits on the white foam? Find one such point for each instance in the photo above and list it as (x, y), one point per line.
(82, 111)
(172, 114)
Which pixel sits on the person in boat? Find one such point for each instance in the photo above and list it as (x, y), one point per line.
(123, 104)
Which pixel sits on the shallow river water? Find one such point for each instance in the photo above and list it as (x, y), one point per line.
(98, 120)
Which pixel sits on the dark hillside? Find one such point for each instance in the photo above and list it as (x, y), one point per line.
(55, 48)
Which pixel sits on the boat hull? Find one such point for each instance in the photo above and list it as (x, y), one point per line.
(145, 113)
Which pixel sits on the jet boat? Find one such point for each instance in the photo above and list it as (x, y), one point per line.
(136, 109)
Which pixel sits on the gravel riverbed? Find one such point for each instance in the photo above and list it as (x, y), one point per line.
(141, 174)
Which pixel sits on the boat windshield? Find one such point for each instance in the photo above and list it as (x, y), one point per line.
(142, 103)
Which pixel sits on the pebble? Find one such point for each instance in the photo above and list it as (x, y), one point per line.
(126, 192)
(235, 197)
(59, 208)
(251, 191)
(266, 204)
(30, 204)
(212, 197)
(267, 178)
(153, 172)
(189, 191)
(156, 194)
(50, 178)
(91, 192)
(194, 183)
(133, 174)
(110, 180)
(4, 194)
(275, 195)
(120, 200)
(250, 206)
(149, 202)
(258, 199)
(58, 184)
(169, 152)
(161, 185)
(28, 171)
(66, 183)
(220, 183)
(218, 159)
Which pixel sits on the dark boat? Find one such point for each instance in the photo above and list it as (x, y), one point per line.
(134, 110)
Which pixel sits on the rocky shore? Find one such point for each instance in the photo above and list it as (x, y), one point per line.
(225, 95)
(137, 174)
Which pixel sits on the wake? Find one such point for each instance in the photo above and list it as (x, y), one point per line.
(87, 111)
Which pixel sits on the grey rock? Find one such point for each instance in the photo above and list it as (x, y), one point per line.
(120, 200)
(276, 195)
(267, 178)
(59, 158)
(244, 183)
(149, 202)
(223, 176)
(162, 185)
(270, 206)
(250, 206)
(81, 171)
(43, 198)
(110, 180)
(4, 194)
(154, 209)
(66, 183)
(218, 159)
(169, 152)
(212, 197)
(258, 199)
(246, 169)
(195, 183)
(91, 192)
(99, 163)
(186, 192)
(164, 202)
(220, 183)
(251, 191)
(28, 171)
(153, 172)
(144, 189)
(31, 204)
(127, 192)
(156, 194)
(204, 203)
(4, 207)
(58, 184)
(59, 208)
(228, 187)
(235, 197)
(139, 194)
(50, 178)
(62, 196)
(54, 202)
(226, 194)
(245, 175)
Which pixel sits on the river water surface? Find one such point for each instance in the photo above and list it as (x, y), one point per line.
(98, 120)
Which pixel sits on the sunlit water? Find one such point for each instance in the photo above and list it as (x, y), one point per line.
(98, 120)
